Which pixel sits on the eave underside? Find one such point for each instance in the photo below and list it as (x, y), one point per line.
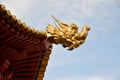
(23, 48)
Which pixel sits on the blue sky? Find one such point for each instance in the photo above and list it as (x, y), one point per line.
(99, 57)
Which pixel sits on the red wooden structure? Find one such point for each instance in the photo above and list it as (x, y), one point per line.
(24, 52)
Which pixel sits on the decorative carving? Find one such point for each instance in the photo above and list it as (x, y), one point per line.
(67, 35)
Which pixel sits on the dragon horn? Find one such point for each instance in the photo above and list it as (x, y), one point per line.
(55, 18)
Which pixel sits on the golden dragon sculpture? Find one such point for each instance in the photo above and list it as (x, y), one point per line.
(67, 35)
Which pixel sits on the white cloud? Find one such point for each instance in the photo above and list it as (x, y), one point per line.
(18, 7)
(95, 77)
(108, 76)
(25, 6)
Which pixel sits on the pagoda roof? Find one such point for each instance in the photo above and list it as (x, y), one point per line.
(23, 47)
